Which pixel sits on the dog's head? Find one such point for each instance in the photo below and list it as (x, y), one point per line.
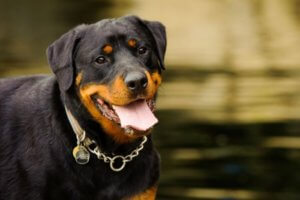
(115, 67)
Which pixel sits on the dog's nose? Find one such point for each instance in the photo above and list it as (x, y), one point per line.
(136, 81)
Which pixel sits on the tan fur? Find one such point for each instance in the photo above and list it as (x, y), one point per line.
(108, 49)
(132, 43)
(149, 194)
(78, 79)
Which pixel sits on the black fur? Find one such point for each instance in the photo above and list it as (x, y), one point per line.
(36, 139)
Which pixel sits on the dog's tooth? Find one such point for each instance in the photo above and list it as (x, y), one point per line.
(105, 107)
(100, 101)
(116, 119)
(107, 116)
(115, 116)
(129, 131)
(107, 111)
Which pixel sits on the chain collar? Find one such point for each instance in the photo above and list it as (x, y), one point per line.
(111, 160)
(86, 145)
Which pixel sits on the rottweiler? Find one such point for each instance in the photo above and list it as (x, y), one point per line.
(84, 132)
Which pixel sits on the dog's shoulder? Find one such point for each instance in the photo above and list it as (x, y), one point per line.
(24, 102)
(18, 89)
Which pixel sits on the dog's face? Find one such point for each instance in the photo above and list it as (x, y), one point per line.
(115, 67)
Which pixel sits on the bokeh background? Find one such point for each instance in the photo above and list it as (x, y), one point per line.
(229, 107)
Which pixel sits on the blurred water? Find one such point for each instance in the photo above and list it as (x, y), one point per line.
(229, 107)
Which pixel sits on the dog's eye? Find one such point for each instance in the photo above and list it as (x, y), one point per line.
(142, 50)
(100, 60)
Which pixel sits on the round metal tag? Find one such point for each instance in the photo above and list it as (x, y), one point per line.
(81, 155)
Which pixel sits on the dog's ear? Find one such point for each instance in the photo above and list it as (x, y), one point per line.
(60, 57)
(158, 34)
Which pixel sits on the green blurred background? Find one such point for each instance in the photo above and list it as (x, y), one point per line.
(229, 107)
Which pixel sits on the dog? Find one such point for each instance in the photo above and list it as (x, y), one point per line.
(85, 132)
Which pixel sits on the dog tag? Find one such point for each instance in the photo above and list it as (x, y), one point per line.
(81, 155)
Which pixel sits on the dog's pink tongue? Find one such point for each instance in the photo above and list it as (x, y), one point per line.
(136, 115)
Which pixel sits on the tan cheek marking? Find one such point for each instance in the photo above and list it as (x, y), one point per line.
(132, 43)
(156, 77)
(78, 79)
(90, 89)
(107, 49)
(147, 195)
(116, 94)
(154, 81)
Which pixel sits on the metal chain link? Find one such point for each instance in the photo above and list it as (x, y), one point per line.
(101, 156)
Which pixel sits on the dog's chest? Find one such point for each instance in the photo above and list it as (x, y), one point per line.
(100, 182)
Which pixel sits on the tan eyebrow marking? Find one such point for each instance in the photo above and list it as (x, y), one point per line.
(132, 43)
(107, 49)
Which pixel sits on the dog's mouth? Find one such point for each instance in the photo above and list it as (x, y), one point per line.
(134, 117)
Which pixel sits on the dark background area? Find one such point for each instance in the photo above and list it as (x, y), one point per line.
(229, 107)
